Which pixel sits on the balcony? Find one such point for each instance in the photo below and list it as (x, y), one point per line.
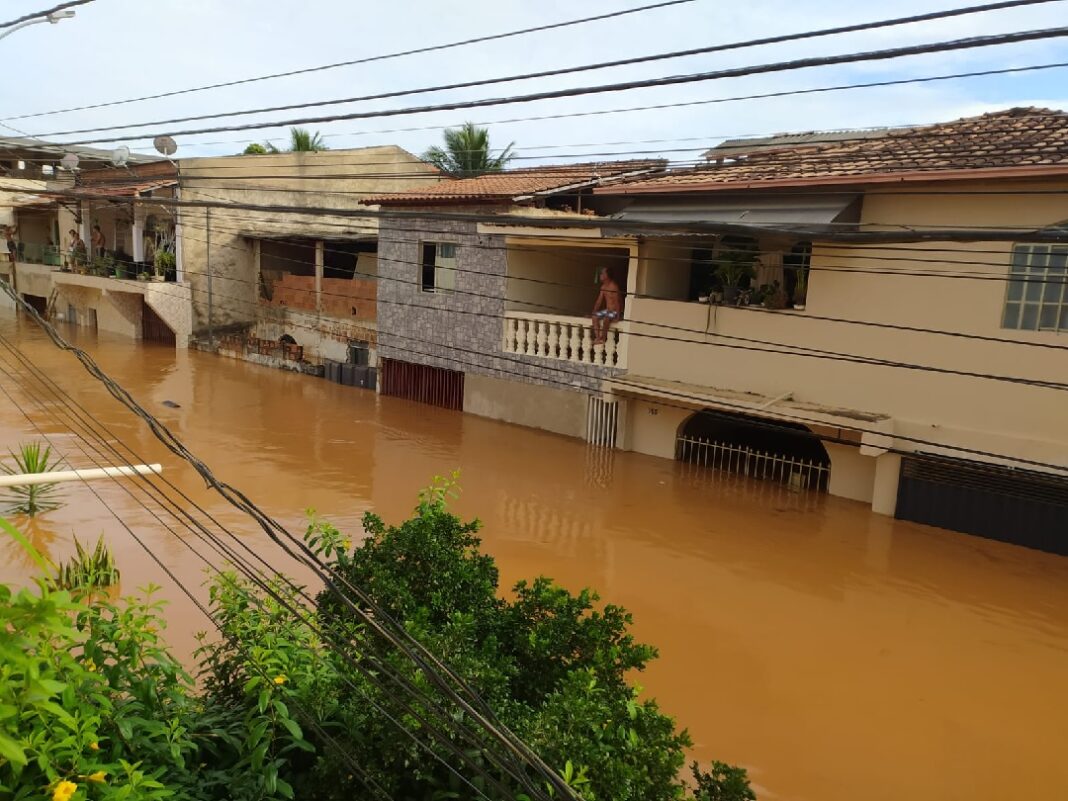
(563, 338)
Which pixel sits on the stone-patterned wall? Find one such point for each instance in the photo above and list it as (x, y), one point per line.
(461, 329)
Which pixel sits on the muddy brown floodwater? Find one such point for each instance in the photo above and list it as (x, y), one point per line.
(838, 655)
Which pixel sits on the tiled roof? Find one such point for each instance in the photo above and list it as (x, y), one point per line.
(1016, 141)
(512, 185)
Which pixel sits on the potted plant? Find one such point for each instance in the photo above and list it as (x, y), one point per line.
(774, 296)
(735, 266)
(142, 276)
(165, 263)
(801, 289)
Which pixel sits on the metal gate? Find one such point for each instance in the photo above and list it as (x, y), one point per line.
(602, 421)
(1022, 507)
(419, 382)
(153, 329)
(799, 474)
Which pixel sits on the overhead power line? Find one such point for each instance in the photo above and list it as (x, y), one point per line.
(369, 59)
(671, 80)
(630, 61)
(45, 13)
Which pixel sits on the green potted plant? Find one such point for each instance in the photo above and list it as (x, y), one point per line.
(735, 266)
(801, 289)
(774, 296)
(165, 262)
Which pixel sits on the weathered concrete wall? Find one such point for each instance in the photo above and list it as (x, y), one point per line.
(277, 179)
(462, 329)
(172, 302)
(561, 411)
(322, 337)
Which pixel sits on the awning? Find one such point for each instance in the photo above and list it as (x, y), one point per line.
(803, 211)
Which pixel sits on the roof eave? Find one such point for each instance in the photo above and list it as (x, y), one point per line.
(917, 176)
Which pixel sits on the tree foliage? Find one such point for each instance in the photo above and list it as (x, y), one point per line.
(92, 705)
(467, 152)
(301, 140)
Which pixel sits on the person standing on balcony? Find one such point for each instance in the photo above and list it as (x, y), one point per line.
(12, 245)
(76, 255)
(607, 308)
(97, 241)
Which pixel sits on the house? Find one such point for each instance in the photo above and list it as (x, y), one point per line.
(258, 273)
(466, 313)
(924, 372)
(59, 189)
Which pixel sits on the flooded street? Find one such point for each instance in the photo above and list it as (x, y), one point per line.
(836, 654)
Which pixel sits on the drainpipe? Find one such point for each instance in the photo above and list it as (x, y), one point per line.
(211, 322)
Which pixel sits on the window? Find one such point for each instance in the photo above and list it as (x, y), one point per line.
(1036, 298)
(439, 266)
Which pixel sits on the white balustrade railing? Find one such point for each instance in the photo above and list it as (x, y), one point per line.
(569, 339)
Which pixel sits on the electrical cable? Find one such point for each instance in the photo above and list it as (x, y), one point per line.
(357, 769)
(945, 46)
(794, 349)
(378, 619)
(564, 70)
(340, 649)
(384, 57)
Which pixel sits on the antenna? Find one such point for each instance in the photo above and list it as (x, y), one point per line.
(165, 145)
(120, 156)
(69, 162)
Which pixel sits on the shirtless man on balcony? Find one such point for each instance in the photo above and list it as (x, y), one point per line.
(608, 307)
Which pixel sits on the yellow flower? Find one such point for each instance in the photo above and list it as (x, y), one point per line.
(97, 777)
(347, 545)
(64, 790)
(90, 665)
(280, 680)
(94, 746)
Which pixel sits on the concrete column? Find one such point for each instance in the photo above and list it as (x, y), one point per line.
(257, 255)
(320, 250)
(138, 233)
(86, 228)
(179, 272)
(887, 474)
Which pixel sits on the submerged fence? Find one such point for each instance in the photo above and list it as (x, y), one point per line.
(795, 472)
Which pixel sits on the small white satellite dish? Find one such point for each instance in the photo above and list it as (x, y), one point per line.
(165, 145)
(69, 161)
(120, 156)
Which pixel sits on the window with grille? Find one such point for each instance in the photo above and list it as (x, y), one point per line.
(1036, 298)
(439, 266)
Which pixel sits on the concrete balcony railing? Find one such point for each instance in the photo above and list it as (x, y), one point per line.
(568, 339)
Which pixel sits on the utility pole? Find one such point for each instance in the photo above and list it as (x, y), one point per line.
(211, 321)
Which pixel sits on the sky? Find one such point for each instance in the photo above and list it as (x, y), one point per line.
(118, 49)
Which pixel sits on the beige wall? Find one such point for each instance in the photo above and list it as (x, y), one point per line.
(278, 179)
(1015, 419)
(564, 278)
(664, 270)
(559, 410)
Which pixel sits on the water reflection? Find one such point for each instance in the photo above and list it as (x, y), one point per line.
(838, 654)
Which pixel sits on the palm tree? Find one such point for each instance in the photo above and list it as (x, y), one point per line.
(467, 152)
(301, 140)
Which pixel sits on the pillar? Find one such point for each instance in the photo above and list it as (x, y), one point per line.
(86, 227)
(179, 272)
(137, 233)
(320, 250)
(887, 473)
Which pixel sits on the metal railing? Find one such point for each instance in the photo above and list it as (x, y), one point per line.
(33, 253)
(796, 473)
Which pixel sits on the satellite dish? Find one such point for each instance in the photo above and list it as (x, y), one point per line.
(120, 156)
(165, 145)
(69, 162)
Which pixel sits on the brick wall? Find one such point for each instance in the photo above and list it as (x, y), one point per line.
(342, 297)
(462, 329)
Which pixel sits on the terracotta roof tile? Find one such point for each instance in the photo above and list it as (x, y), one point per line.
(1015, 138)
(510, 185)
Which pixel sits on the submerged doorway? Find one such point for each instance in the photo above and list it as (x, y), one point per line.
(768, 450)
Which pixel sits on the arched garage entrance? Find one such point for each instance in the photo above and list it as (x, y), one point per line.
(769, 450)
